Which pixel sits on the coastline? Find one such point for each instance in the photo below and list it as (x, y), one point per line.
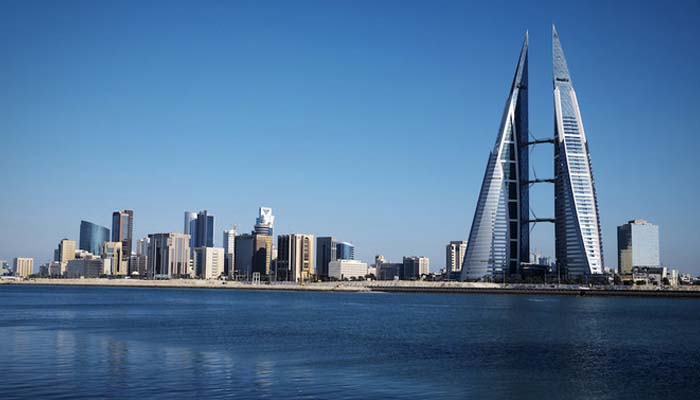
(380, 286)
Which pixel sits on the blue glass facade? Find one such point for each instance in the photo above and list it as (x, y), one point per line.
(345, 251)
(499, 235)
(92, 236)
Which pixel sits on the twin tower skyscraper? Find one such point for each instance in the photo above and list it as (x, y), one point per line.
(499, 239)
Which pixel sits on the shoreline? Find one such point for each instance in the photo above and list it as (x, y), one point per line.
(379, 287)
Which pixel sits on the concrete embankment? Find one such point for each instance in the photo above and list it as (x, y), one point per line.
(380, 286)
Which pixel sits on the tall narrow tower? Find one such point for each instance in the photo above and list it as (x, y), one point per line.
(579, 249)
(499, 236)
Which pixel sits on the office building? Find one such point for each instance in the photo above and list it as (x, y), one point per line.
(190, 226)
(115, 252)
(169, 256)
(243, 255)
(92, 236)
(204, 236)
(265, 222)
(295, 257)
(122, 230)
(138, 265)
(499, 235)
(23, 267)
(578, 241)
(454, 256)
(262, 254)
(326, 251)
(637, 245)
(88, 267)
(345, 251)
(415, 267)
(347, 269)
(142, 246)
(208, 262)
(387, 271)
(229, 252)
(66, 251)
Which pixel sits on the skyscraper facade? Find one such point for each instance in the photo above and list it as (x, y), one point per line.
(243, 255)
(114, 251)
(92, 236)
(123, 230)
(229, 251)
(23, 266)
(637, 245)
(295, 257)
(190, 226)
(454, 256)
(265, 221)
(414, 267)
(499, 235)
(169, 255)
(204, 236)
(345, 251)
(208, 262)
(578, 241)
(326, 251)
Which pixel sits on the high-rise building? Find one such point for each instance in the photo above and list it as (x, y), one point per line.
(243, 255)
(578, 241)
(345, 251)
(637, 245)
(346, 269)
(169, 255)
(295, 257)
(64, 253)
(115, 252)
(123, 230)
(138, 265)
(205, 230)
(499, 235)
(265, 221)
(23, 266)
(142, 246)
(414, 267)
(208, 262)
(262, 253)
(190, 226)
(454, 255)
(229, 251)
(326, 251)
(92, 236)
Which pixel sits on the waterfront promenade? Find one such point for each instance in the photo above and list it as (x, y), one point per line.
(381, 286)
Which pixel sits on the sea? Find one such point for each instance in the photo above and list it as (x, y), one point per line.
(68, 342)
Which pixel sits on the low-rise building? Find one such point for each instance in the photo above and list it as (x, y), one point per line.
(88, 267)
(347, 269)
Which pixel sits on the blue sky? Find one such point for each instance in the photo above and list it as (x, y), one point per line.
(368, 120)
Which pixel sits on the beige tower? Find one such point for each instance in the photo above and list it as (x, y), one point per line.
(296, 257)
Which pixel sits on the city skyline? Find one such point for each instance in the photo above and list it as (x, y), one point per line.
(622, 97)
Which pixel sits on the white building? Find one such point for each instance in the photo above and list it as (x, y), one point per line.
(637, 245)
(208, 262)
(454, 255)
(346, 269)
(229, 251)
(24, 266)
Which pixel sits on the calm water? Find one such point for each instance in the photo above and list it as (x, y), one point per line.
(75, 342)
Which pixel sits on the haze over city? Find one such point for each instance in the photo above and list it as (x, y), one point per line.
(380, 142)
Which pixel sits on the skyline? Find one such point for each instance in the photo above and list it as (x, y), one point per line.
(625, 103)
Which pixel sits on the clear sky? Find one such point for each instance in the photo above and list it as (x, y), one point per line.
(367, 120)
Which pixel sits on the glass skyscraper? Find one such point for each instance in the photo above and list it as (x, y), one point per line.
(345, 251)
(122, 230)
(578, 242)
(92, 236)
(499, 236)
